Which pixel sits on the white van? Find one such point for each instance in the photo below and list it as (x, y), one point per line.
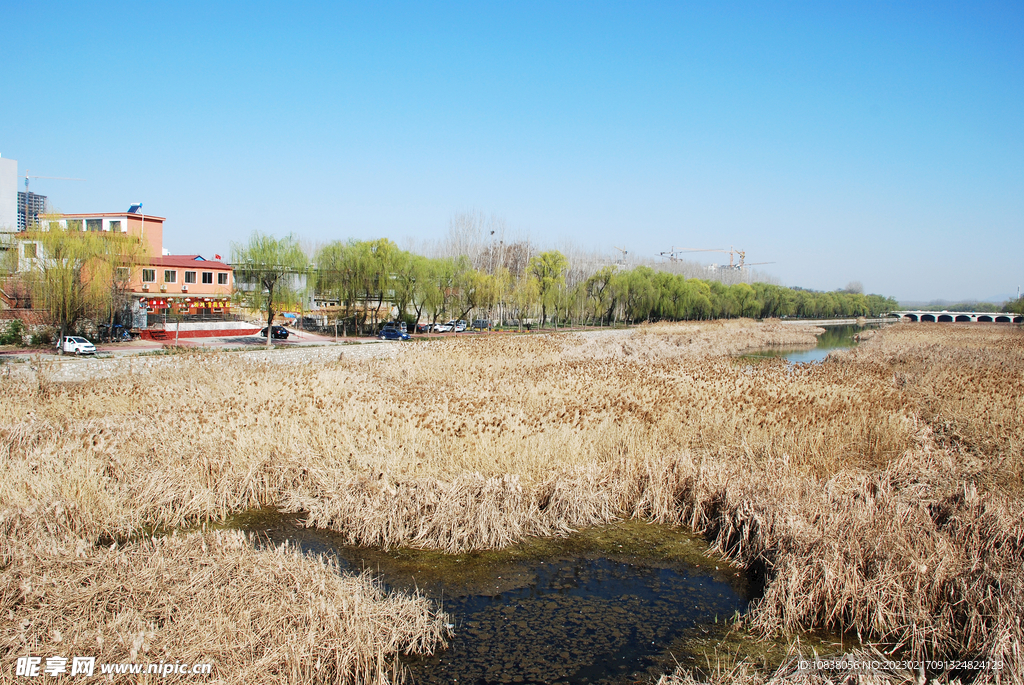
(74, 344)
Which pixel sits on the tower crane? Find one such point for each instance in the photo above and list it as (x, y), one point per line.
(624, 252)
(732, 252)
(55, 178)
(28, 208)
(673, 254)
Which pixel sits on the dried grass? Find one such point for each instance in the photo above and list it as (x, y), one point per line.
(867, 486)
(790, 673)
(264, 615)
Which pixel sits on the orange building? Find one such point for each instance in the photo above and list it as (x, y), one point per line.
(149, 229)
(184, 284)
(181, 285)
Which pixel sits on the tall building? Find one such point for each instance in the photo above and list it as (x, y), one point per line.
(8, 195)
(30, 206)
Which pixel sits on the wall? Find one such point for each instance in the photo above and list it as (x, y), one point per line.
(8, 194)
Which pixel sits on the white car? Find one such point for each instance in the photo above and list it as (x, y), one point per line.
(74, 344)
(444, 327)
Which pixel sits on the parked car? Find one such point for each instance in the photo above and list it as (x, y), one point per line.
(444, 327)
(423, 328)
(481, 324)
(278, 333)
(393, 333)
(75, 345)
(459, 326)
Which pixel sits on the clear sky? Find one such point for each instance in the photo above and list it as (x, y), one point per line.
(879, 142)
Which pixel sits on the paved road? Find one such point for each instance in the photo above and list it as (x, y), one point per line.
(295, 339)
(115, 359)
(301, 346)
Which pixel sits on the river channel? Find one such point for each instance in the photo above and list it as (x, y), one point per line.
(621, 603)
(834, 338)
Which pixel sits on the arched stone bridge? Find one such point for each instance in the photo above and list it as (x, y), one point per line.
(964, 317)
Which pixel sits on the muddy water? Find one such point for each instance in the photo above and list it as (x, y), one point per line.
(616, 604)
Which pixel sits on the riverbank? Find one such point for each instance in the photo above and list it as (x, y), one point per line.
(868, 488)
(826, 323)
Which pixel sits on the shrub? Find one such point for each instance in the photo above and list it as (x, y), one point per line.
(42, 338)
(14, 333)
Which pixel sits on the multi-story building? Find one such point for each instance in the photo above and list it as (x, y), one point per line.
(184, 285)
(148, 229)
(30, 207)
(162, 284)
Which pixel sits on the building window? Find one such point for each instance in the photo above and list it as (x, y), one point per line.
(30, 251)
(190, 276)
(170, 276)
(149, 275)
(222, 279)
(208, 277)
(115, 226)
(74, 224)
(94, 224)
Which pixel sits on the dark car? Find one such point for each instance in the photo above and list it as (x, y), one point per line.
(278, 333)
(391, 333)
(423, 328)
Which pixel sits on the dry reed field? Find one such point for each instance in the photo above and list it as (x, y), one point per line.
(880, 490)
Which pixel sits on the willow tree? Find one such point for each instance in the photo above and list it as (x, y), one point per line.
(334, 279)
(59, 274)
(118, 262)
(383, 259)
(549, 269)
(599, 294)
(269, 270)
(410, 272)
(525, 291)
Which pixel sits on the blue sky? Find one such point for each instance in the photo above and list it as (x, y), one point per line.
(879, 142)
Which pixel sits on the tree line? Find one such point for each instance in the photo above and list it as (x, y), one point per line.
(509, 284)
(75, 275)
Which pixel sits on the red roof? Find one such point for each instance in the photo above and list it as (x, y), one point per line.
(189, 261)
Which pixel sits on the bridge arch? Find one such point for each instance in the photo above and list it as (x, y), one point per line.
(1002, 319)
(910, 317)
(945, 318)
(1018, 319)
(928, 317)
(962, 317)
(984, 318)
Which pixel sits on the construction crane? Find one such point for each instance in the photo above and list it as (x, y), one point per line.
(55, 178)
(624, 252)
(31, 212)
(673, 254)
(732, 252)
